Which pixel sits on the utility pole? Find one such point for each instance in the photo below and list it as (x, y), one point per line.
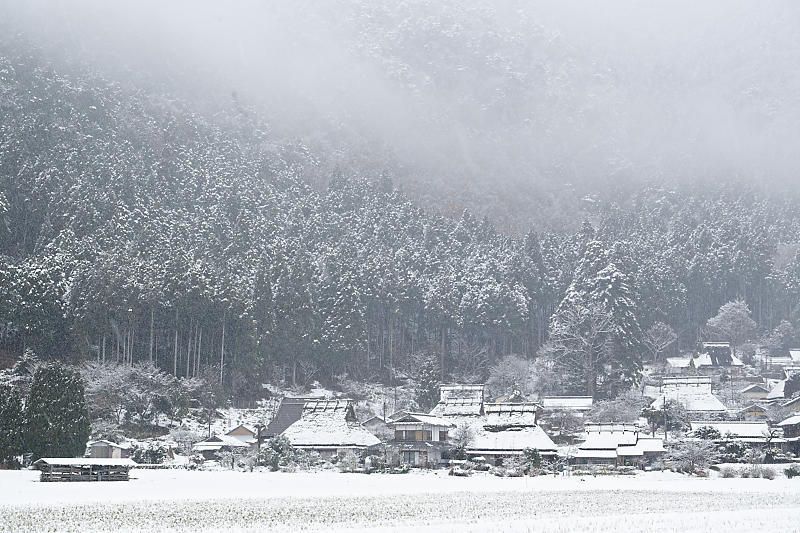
(665, 418)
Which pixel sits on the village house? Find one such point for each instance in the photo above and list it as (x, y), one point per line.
(420, 439)
(787, 359)
(791, 432)
(329, 427)
(753, 434)
(105, 449)
(244, 433)
(693, 392)
(378, 427)
(617, 445)
(497, 430)
(752, 413)
(755, 391)
(216, 444)
(792, 404)
(578, 405)
(288, 412)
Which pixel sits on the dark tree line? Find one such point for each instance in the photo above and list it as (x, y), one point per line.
(135, 230)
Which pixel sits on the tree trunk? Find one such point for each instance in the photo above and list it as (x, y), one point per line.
(152, 312)
(222, 350)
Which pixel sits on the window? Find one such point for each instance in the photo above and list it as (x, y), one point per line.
(442, 435)
(399, 435)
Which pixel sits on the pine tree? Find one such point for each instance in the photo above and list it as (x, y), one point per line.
(11, 421)
(56, 418)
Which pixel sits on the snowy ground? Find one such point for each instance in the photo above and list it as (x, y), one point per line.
(184, 500)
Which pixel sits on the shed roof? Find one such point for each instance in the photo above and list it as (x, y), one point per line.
(791, 421)
(84, 461)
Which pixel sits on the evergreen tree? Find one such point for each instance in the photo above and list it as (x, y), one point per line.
(11, 422)
(426, 395)
(56, 418)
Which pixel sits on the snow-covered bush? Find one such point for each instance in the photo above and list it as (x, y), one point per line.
(153, 452)
(768, 473)
(727, 472)
(348, 462)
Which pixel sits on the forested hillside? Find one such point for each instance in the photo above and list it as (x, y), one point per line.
(134, 228)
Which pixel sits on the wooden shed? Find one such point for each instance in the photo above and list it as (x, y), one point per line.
(84, 469)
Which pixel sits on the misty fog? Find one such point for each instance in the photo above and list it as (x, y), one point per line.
(504, 101)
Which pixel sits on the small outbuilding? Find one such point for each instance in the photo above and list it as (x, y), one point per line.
(105, 449)
(84, 469)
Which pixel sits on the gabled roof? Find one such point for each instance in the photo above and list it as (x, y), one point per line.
(755, 387)
(246, 429)
(102, 442)
(776, 392)
(289, 411)
(216, 442)
(421, 418)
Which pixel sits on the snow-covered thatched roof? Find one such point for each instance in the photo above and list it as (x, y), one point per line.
(326, 423)
(693, 392)
(458, 400)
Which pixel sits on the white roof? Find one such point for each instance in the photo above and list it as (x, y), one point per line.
(791, 421)
(84, 461)
(103, 442)
(217, 442)
(795, 355)
(754, 386)
(777, 391)
(739, 430)
(329, 426)
(608, 440)
(567, 402)
(514, 439)
(700, 402)
(596, 454)
(420, 418)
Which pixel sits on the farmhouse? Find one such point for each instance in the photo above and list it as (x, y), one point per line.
(215, 444)
(575, 404)
(693, 392)
(84, 469)
(378, 427)
(750, 433)
(752, 412)
(617, 444)
(289, 411)
(246, 434)
(419, 438)
(791, 432)
(329, 427)
(497, 430)
(105, 449)
(755, 392)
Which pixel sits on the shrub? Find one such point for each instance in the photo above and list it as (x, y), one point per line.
(753, 471)
(727, 472)
(792, 471)
(348, 462)
(768, 473)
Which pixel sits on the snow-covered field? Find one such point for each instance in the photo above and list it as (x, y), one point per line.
(158, 500)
